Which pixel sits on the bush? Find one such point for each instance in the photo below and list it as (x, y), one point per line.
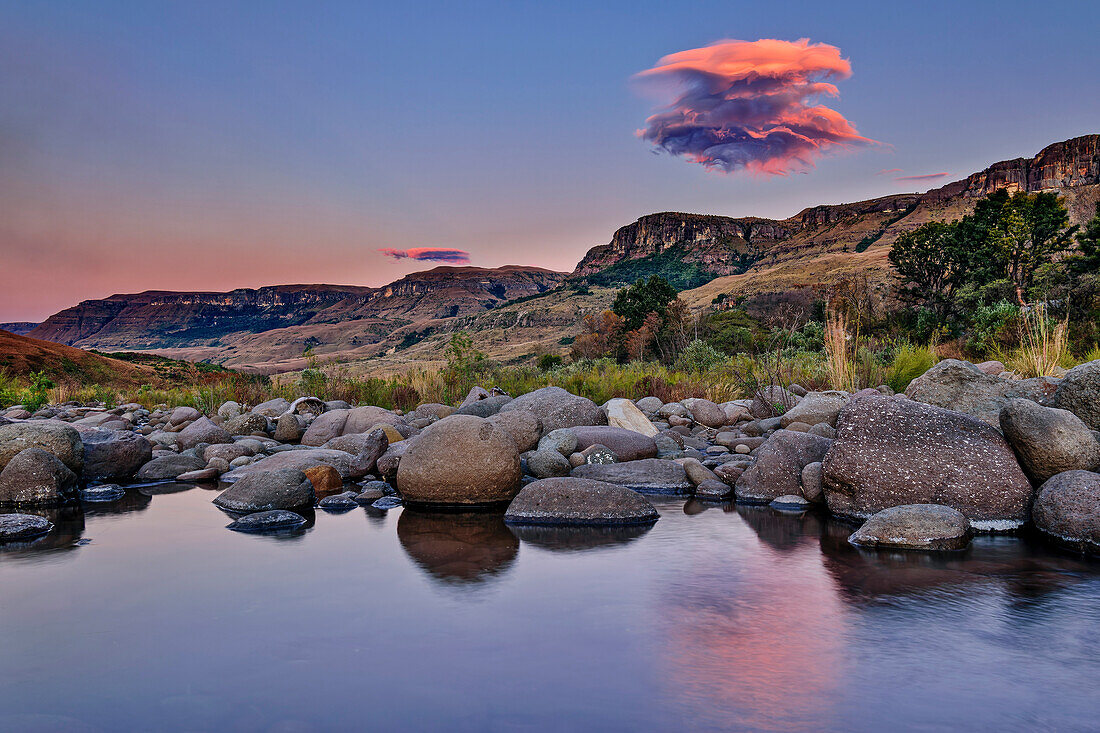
(699, 356)
(546, 362)
(909, 363)
(994, 327)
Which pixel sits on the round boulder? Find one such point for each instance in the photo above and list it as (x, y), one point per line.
(1048, 440)
(569, 500)
(628, 445)
(202, 430)
(1079, 392)
(558, 408)
(35, 478)
(286, 488)
(113, 454)
(1067, 509)
(460, 460)
(271, 521)
(58, 438)
(19, 527)
(915, 527)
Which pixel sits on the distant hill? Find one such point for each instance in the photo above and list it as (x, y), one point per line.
(20, 355)
(19, 328)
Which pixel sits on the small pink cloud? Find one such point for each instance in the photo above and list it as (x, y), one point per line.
(428, 254)
(925, 177)
(884, 171)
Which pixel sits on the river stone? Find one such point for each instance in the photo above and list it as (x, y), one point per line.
(567, 501)
(288, 428)
(435, 410)
(962, 387)
(325, 427)
(272, 408)
(370, 446)
(113, 454)
(628, 445)
(547, 463)
(811, 482)
(596, 454)
(1067, 509)
(246, 424)
(648, 476)
(707, 413)
(996, 368)
(341, 502)
(386, 503)
(17, 527)
(673, 409)
(300, 459)
(285, 488)
(777, 470)
(202, 430)
(34, 477)
(523, 427)
(102, 493)
(183, 414)
(1079, 392)
(622, 413)
(696, 472)
(167, 468)
(1048, 440)
(563, 441)
(460, 460)
(324, 478)
(226, 451)
(229, 410)
(269, 521)
(389, 461)
(713, 489)
(891, 451)
(362, 419)
(558, 408)
(210, 473)
(814, 408)
(485, 407)
(915, 527)
(58, 438)
(790, 503)
(649, 405)
(728, 473)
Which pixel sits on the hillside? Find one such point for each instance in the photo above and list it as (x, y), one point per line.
(20, 355)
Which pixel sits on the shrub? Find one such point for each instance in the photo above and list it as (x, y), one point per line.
(546, 362)
(699, 356)
(909, 363)
(405, 397)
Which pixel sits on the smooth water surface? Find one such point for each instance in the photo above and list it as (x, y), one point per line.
(150, 615)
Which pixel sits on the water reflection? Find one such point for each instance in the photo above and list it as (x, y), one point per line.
(784, 531)
(458, 548)
(579, 539)
(68, 527)
(132, 501)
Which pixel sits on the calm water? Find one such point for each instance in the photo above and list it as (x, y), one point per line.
(151, 616)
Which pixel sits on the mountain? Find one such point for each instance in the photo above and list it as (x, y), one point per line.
(19, 328)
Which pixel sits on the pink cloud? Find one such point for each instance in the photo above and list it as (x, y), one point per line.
(432, 254)
(738, 105)
(925, 177)
(884, 171)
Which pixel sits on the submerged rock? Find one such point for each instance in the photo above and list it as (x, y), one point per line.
(915, 527)
(578, 501)
(269, 521)
(339, 502)
(166, 468)
(17, 527)
(102, 493)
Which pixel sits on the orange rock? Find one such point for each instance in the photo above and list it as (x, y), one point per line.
(324, 479)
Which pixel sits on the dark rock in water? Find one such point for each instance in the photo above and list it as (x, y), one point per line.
(339, 502)
(578, 501)
(103, 493)
(1048, 441)
(558, 408)
(15, 527)
(270, 521)
(387, 502)
(712, 489)
(34, 477)
(55, 437)
(286, 488)
(167, 468)
(777, 470)
(647, 476)
(1079, 392)
(1067, 509)
(113, 454)
(915, 527)
(368, 496)
(790, 503)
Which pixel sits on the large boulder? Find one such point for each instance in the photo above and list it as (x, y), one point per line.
(366, 447)
(566, 501)
(1079, 392)
(246, 424)
(183, 414)
(202, 430)
(962, 387)
(302, 459)
(167, 468)
(524, 427)
(486, 407)
(891, 451)
(264, 491)
(777, 470)
(34, 477)
(58, 438)
(272, 408)
(648, 476)
(622, 413)
(1067, 509)
(111, 455)
(772, 401)
(628, 445)
(1048, 440)
(707, 413)
(460, 460)
(325, 427)
(915, 527)
(362, 419)
(558, 408)
(815, 408)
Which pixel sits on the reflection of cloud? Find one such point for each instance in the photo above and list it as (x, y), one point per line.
(748, 105)
(432, 254)
(924, 177)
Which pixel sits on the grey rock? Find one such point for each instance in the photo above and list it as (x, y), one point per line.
(167, 468)
(34, 477)
(326, 427)
(201, 475)
(915, 527)
(811, 482)
(226, 451)
(487, 407)
(246, 424)
(202, 430)
(547, 463)
(962, 387)
(650, 405)
(183, 414)
(578, 501)
(523, 427)
(558, 408)
(113, 454)
(262, 491)
(387, 502)
(272, 408)
(288, 428)
(58, 438)
(707, 413)
(102, 493)
(815, 408)
(628, 445)
(229, 410)
(713, 490)
(339, 502)
(1048, 440)
(777, 470)
(1079, 392)
(563, 441)
(21, 527)
(1067, 509)
(648, 476)
(311, 406)
(269, 521)
(790, 503)
(299, 459)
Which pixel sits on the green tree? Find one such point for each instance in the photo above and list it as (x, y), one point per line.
(932, 262)
(634, 303)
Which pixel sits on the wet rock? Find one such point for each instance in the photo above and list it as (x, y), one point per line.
(34, 477)
(523, 427)
(342, 502)
(628, 445)
(650, 475)
(1067, 509)
(1079, 392)
(713, 490)
(547, 463)
(368, 496)
(460, 460)
(169, 467)
(915, 527)
(962, 387)
(387, 502)
(814, 408)
(269, 521)
(622, 413)
(572, 501)
(790, 503)
(57, 438)
(102, 493)
(286, 488)
(113, 454)
(202, 430)
(22, 527)
(778, 467)
(558, 408)
(891, 451)
(1048, 440)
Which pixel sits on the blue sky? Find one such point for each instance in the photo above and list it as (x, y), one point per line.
(218, 145)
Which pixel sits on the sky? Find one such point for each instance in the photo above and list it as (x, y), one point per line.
(210, 146)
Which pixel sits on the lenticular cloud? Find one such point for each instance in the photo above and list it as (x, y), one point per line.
(747, 105)
(430, 254)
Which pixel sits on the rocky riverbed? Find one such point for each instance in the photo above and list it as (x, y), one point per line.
(968, 449)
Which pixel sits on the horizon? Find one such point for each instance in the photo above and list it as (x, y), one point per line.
(196, 148)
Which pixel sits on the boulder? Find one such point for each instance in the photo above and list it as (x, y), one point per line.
(523, 427)
(113, 454)
(558, 408)
(673, 409)
(622, 413)
(891, 451)
(461, 460)
(167, 468)
(571, 501)
(815, 408)
(1048, 440)
(648, 476)
(595, 453)
(962, 387)
(547, 463)
(811, 482)
(696, 472)
(362, 419)
(272, 408)
(271, 521)
(915, 527)
(341, 502)
(288, 428)
(58, 438)
(996, 368)
(202, 430)
(777, 470)
(246, 424)
(300, 460)
(707, 413)
(285, 488)
(229, 410)
(391, 459)
(487, 407)
(1067, 509)
(325, 479)
(772, 401)
(325, 427)
(22, 527)
(434, 410)
(183, 414)
(648, 405)
(102, 493)
(713, 490)
(226, 451)
(34, 477)
(1079, 392)
(628, 445)
(208, 474)
(562, 440)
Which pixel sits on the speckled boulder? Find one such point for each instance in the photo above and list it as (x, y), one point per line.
(113, 454)
(35, 478)
(962, 387)
(915, 527)
(246, 424)
(570, 501)
(777, 470)
(891, 451)
(558, 408)
(1067, 509)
